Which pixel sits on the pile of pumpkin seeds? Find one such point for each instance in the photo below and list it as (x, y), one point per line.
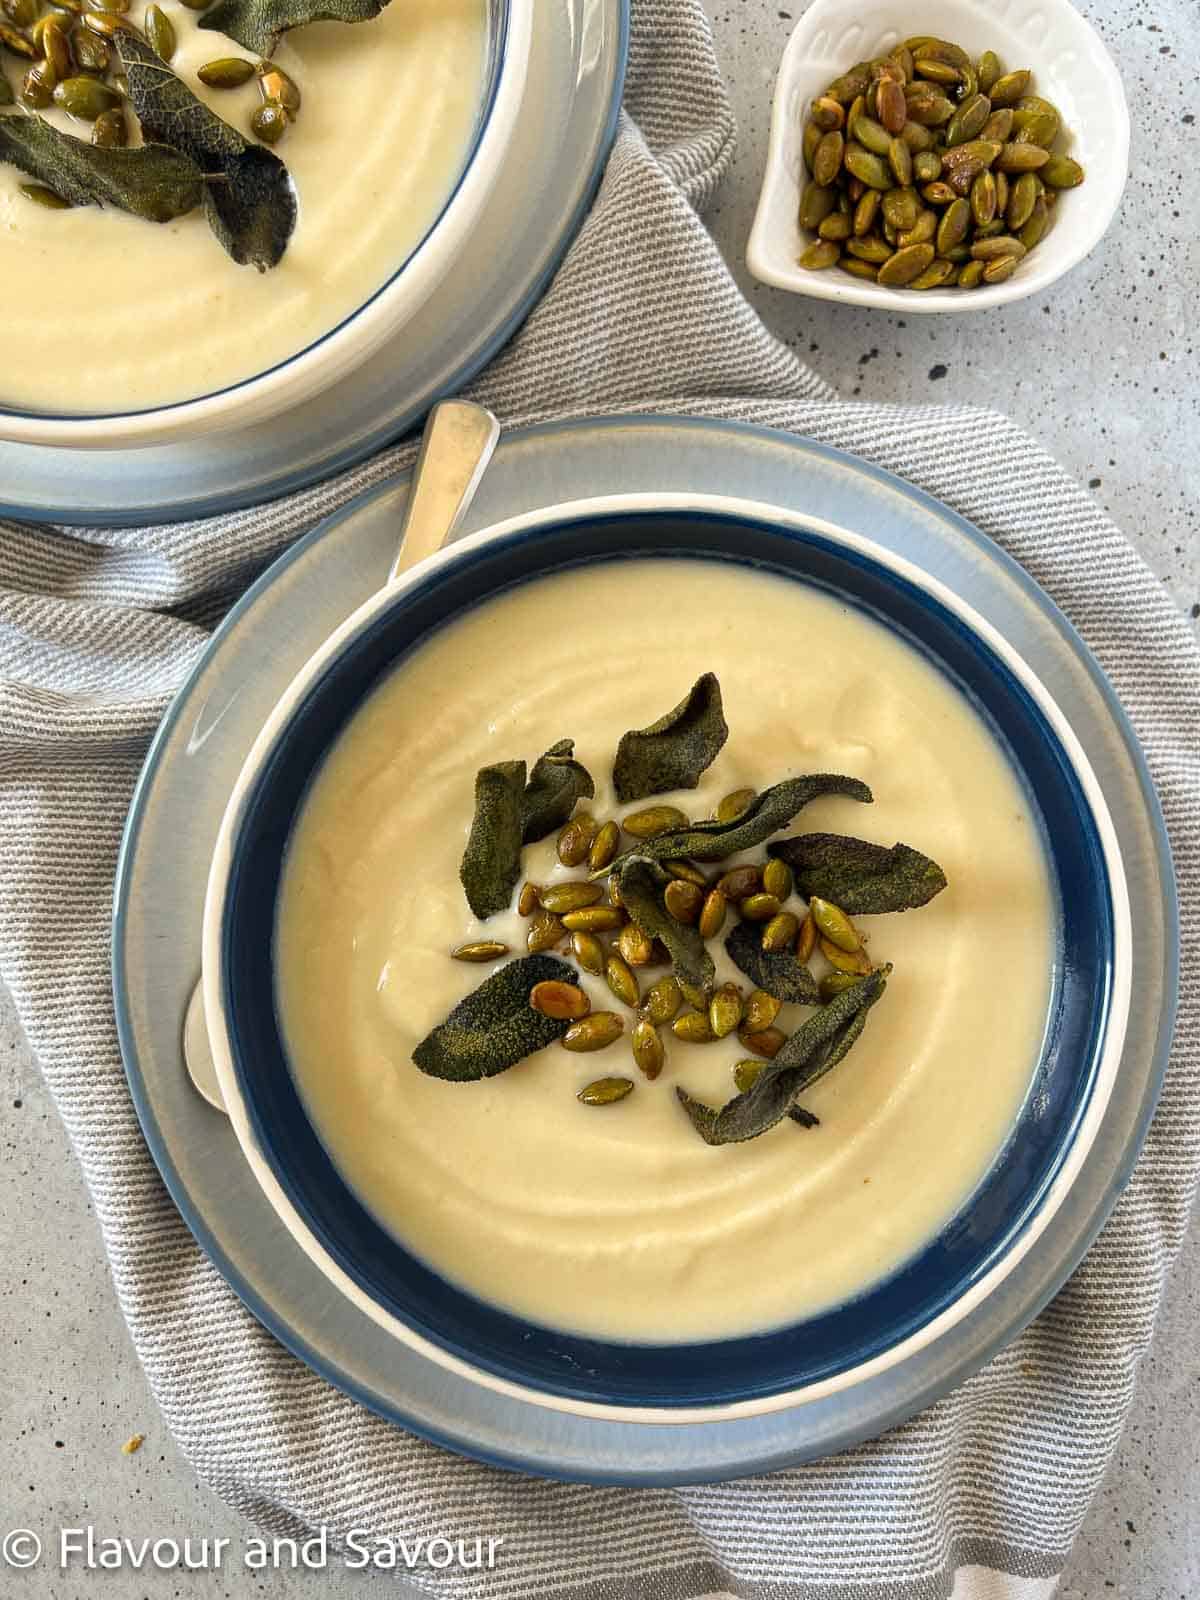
(584, 918)
(68, 61)
(928, 169)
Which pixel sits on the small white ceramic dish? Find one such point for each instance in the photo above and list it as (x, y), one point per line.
(346, 347)
(1071, 67)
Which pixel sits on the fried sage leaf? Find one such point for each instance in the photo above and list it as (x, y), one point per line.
(259, 24)
(555, 784)
(773, 809)
(672, 752)
(776, 971)
(812, 1051)
(491, 863)
(248, 195)
(495, 1026)
(152, 182)
(860, 877)
(642, 883)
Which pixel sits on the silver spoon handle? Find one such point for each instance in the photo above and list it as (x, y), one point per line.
(456, 448)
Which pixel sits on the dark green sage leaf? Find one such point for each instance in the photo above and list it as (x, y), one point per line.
(859, 877)
(770, 811)
(152, 182)
(248, 195)
(491, 862)
(812, 1051)
(555, 784)
(495, 1026)
(642, 883)
(672, 752)
(776, 971)
(258, 24)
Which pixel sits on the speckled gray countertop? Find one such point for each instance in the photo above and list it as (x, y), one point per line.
(1103, 369)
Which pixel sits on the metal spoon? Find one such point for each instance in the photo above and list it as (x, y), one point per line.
(456, 447)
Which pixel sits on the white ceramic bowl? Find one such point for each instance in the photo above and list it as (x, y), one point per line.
(1070, 66)
(378, 320)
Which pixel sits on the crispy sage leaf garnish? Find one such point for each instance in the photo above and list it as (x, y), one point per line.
(812, 1051)
(152, 182)
(495, 1026)
(776, 971)
(555, 784)
(491, 863)
(259, 24)
(773, 809)
(642, 883)
(248, 196)
(860, 877)
(672, 752)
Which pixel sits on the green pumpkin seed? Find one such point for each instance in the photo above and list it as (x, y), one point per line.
(739, 882)
(1021, 202)
(481, 950)
(46, 198)
(92, 54)
(903, 57)
(560, 897)
(922, 231)
(589, 952)
(827, 160)
(993, 249)
(761, 1010)
(269, 122)
(106, 23)
(766, 1042)
(693, 1028)
(605, 1091)
(858, 269)
(901, 208)
(1002, 192)
(1022, 158)
(960, 252)
(648, 1049)
(636, 948)
(836, 926)
(275, 85)
(998, 127)
(906, 265)
(725, 1010)
(54, 40)
(1009, 88)
(816, 203)
(593, 919)
(780, 932)
(16, 43)
(760, 907)
(733, 805)
(990, 230)
(777, 879)
(844, 960)
(872, 135)
(684, 900)
(688, 872)
(1060, 172)
(575, 836)
(1001, 269)
(712, 914)
(1034, 229)
(927, 166)
(828, 113)
(834, 983)
(85, 98)
(620, 979)
(746, 1074)
(851, 84)
(1038, 129)
(836, 227)
(652, 820)
(566, 1002)
(940, 72)
(918, 139)
(983, 198)
(594, 1032)
(989, 70)
(970, 275)
(545, 931)
(824, 253)
(806, 939)
(37, 87)
(936, 275)
(604, 847)
(528, 900)
(930, 110)
(160, 32)
(662, 1000)
(938, 193)
(871, 249)
(867, 167)
(891, 106)
(810, 139)
(226, 72)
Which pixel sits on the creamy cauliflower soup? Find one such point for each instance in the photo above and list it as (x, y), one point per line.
(102, 311)
(616, 1218)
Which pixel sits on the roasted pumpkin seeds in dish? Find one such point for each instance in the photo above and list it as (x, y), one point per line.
(910, 158)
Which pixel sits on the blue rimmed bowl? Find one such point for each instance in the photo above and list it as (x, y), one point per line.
(383, 313)
(955, 1271)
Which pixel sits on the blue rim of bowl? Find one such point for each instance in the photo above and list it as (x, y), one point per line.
(277, 1325)
(773, 1362)
(497, 50)
(344, 460)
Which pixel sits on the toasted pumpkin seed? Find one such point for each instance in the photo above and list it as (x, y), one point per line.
(917, 138)
(725, 1010)
(1060, 172)
(938, 273)
(593, 919)
(545, 930)
(480, 950)
(46, 198)
(712, 914)
(684, 900)
(92, 53)
(858, 269)
(106, 23)
(1009, 87)
(565, 1001)
(837, 226)
(777, 879)
(1001, 269)
(833, 922)
(938, 193)
(1021, 158)
(828, 113)
(809, 141)
(594, 1032)
(569, 896)
(870, 249)
(760, 907)
(901, 209)
(688, 872)
(930, 110)
(890, 105)
(275, 84)
(648, 1049)
(604, 846)
(226, 72)
(989, 70)
(833, 983)
(636, 947)
(760, 1011)
(952, 229)
(746, 1074)
(969, 120)
(54, 40)
(160, 32)
(17, 44)
(605, 1091)
(868, 167)
(994, 249)
(983, 198)
(739, 882)
(827, 159)
(844, 960)
(780, 932)
(1021, 201)
(37, 87)
(806, 939)
(269, 122)
(662, 1000)
(733, 805)
(1039, 218)
(998, 126)
(620, 979)
(970, 275)
(906, 265)
(589, 952)
(851, 84)
(20, 12)
(766, 1042)
(652, 820)
(528, 900)
(110, 130)
(575, 837)
(922, 231)
(940, 72)
(85, 98)
(819, 256)
(872, 135)
(693, 1028)
(927, 166)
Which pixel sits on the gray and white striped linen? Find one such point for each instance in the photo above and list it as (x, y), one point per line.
(979, 1497)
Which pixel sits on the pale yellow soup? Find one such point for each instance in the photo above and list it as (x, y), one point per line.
(619, 1221)
(102, 312)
